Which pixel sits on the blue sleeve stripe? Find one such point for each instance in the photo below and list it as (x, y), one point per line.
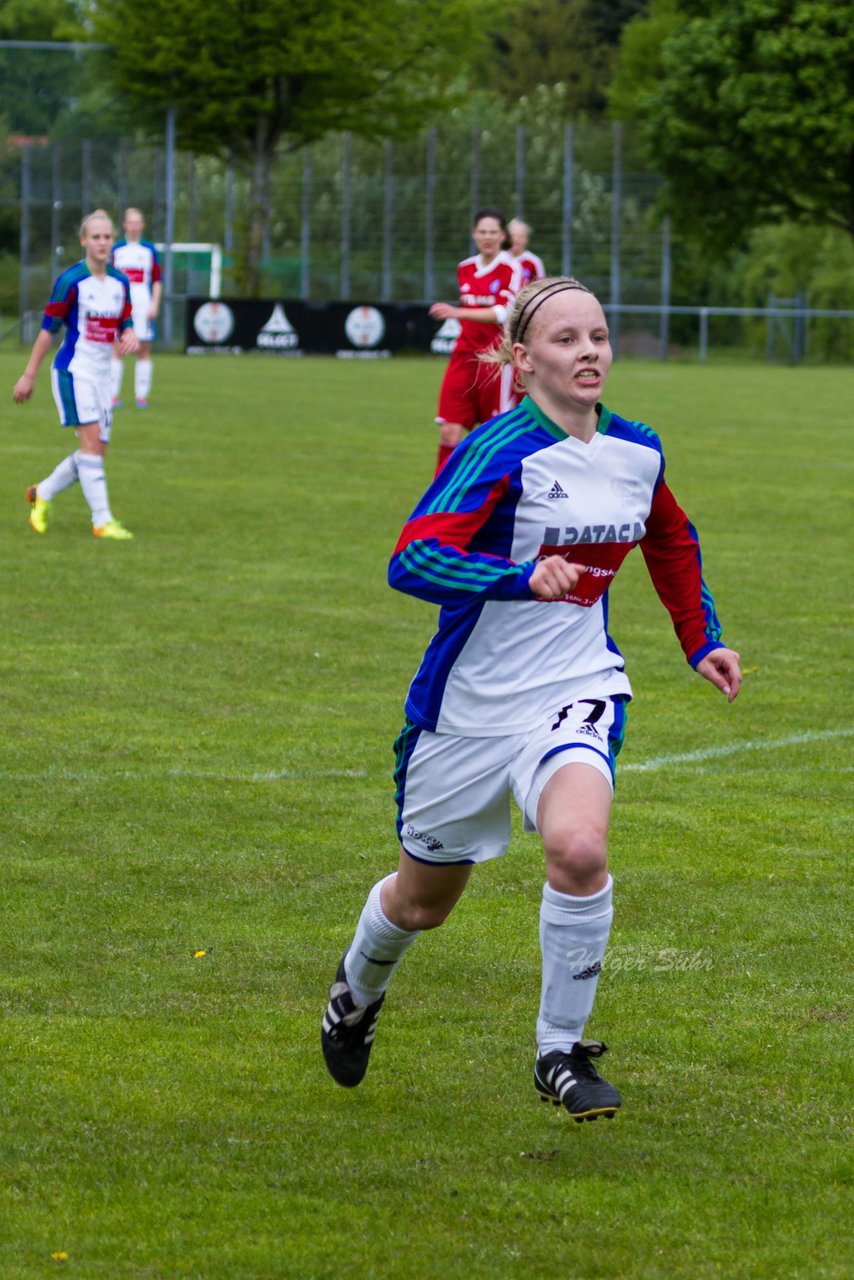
(713, 625)
(65, 283)
(443, 570)
(439, 580)
(486, 571)
(477, 459)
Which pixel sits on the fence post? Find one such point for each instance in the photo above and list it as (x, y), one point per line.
(191, 198)
(770, 326)
(55, 207)
(228, 236)
(346, 210)
(168, 262)
(157, 206)
(616, 213)
(799, 342)
(305, 230)
(85, 175)
(664, 322)
(24, 290)
(123, 176)
(704, 333)
(388, 215)
(474, 189)
(519, 193)
(566, 213)
(429, 202)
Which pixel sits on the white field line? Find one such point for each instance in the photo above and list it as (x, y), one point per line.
(292, 775)
(93, 775)
(733, 749)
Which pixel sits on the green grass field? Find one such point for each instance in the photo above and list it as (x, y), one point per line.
(195, 796)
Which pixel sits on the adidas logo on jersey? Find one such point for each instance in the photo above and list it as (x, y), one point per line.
(278, 333)
(557, 492)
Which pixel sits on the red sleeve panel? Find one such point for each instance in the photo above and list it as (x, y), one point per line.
(671, 549)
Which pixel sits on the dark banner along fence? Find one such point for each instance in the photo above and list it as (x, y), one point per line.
(290, 326)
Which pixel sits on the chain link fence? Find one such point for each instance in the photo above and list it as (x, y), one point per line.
(362, 220)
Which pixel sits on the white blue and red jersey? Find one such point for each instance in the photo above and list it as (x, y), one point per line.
(530, 266)
(138, 260)
(516, 490)
(94, 311)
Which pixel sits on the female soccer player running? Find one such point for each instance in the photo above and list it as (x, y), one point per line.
(472, 392)
(521, 690)
(92, 300)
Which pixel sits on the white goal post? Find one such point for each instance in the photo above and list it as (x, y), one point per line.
(215, 252)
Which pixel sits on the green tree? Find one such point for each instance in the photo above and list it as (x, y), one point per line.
(573, 43)
(36, 85)
(251, 77)
(638, 68)
(752, 120)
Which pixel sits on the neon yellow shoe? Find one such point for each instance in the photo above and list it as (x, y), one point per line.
(39, 510)
(112, 529)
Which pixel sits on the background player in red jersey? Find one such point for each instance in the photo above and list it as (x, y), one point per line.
(472, 392)
(522, 692)
(532, 266)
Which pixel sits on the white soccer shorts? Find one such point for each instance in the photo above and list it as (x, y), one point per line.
(140, 306)
(453, 793)
(83, 400)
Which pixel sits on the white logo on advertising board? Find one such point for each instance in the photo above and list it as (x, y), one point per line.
(444, 338)
(214, 322)
(364, 327)
(278, 334)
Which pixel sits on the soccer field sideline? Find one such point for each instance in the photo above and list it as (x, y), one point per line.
(195, 757)
(638, 766)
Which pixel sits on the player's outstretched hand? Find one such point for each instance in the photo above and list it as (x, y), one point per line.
(443, 311)
(554, 577)
(23, 388)
(722, 667)
(128, 343)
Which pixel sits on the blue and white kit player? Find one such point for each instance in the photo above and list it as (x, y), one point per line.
(92, 300)
(137, 259)
(522, 693)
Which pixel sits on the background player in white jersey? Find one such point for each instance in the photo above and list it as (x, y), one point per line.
(137, 258)
(92, 300)
(531, 266)
(471, 391)
(522, 691)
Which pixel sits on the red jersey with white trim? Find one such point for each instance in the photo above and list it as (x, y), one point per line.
(516, 490)
(493, 285)
(94, 311)
(531, 267)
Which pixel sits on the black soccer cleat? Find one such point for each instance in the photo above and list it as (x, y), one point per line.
(570, 1080)
(347, 1033)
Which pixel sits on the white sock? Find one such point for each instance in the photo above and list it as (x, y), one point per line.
(573, 937)
(116, 371)
(376, 950)
(142, 379)
(60, 478)
(93, 482)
